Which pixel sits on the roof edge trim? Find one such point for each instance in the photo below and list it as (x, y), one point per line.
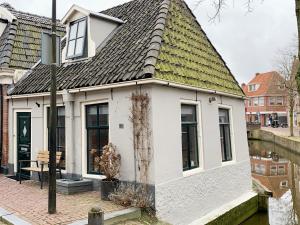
(129, 83)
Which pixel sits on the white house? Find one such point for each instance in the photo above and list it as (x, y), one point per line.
(198, 140)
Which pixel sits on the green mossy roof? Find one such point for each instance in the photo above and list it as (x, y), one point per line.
(187, 56)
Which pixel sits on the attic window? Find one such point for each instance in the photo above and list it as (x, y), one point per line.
(77, 37)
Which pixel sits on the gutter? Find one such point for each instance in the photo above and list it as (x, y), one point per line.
(1, 122)
(128, 84)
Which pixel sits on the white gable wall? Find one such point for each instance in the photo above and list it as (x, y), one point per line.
(182, 197)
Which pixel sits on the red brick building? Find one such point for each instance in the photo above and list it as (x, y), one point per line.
(266, 98)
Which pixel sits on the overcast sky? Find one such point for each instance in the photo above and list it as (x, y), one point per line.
(248, 42)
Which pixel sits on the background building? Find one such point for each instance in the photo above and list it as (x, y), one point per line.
(266, 98)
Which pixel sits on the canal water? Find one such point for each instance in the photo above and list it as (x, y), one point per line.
(276, 170)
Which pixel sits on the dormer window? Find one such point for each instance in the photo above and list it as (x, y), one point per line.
(77, 39)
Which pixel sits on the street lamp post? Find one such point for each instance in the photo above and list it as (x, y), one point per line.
(53, 121)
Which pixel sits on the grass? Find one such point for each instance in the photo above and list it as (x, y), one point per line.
(145, 219)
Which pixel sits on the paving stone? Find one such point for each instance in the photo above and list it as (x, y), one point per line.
(28, 202)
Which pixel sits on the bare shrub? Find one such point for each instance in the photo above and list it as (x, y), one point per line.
(130, 195)
(109, 162)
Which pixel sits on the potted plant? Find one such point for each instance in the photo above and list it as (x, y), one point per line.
(109, 164)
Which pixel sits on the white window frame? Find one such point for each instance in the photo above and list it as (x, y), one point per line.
(272, 97)
(232, 136)
(85, 38)
(84, 137)
(200, 168)
(15, 111)
(281, 102)
(255, 101)
(46, 134)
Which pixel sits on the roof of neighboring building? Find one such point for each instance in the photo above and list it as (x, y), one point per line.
(20, 43)
(161, 39)
(270, 84)
(273, 183)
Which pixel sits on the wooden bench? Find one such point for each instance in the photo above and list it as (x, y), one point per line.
(41, 165)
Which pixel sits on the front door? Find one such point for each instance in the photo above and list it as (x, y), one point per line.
(24, 140)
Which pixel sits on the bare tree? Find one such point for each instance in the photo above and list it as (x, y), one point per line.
(220, 4)
(288, 64)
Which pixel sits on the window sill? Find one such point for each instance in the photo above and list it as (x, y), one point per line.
(192, 172)
(228, 163)
(92, 176)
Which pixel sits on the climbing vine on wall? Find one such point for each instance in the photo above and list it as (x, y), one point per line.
(141, 136)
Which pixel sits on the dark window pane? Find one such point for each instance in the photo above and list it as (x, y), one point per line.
(92, 112)
(93, 150)
(225, 135)
(103, 115)
(103, 138)
(185, 148)
(60, 133)
(188, 113)
(60, 116)
(193, 146)
(223, 116)
(190, 158)
(97, 134)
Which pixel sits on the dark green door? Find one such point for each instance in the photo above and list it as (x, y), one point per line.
(24, 139)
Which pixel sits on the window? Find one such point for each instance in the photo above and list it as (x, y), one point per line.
(261, 101)
(225, 134)
(77, 39)
(273, 170)
(272, 100)
(60, 133)
(255, 101)
(284, 184)
(279, 100)
(189, 136)
(260, 169)
(97, 134)
(250, 102)
(253, 87)
(281, 170)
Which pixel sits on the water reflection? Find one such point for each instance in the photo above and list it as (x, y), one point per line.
(277, 170)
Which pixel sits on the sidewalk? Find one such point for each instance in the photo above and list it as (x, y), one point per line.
(28, 202)
(285, 132)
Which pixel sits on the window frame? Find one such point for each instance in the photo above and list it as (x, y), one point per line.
(261, 103)
(199, 169)
(232, 134)
(255, 101)
(99, 127)
(82, 55)
(46, 133)
(281, 101)
(84, 138)
(274, 98)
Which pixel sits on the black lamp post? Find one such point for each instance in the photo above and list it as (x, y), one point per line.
(53, 121)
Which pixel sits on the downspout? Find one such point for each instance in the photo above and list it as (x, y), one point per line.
(1, 124)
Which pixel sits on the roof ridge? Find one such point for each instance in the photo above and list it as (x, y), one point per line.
(156, 39)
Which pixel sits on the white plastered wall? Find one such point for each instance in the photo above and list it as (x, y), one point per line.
(182, 197)
(119, 113)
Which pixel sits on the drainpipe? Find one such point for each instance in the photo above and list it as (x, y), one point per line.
(1, 119)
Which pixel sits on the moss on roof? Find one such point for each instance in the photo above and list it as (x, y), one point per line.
(187, 56)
